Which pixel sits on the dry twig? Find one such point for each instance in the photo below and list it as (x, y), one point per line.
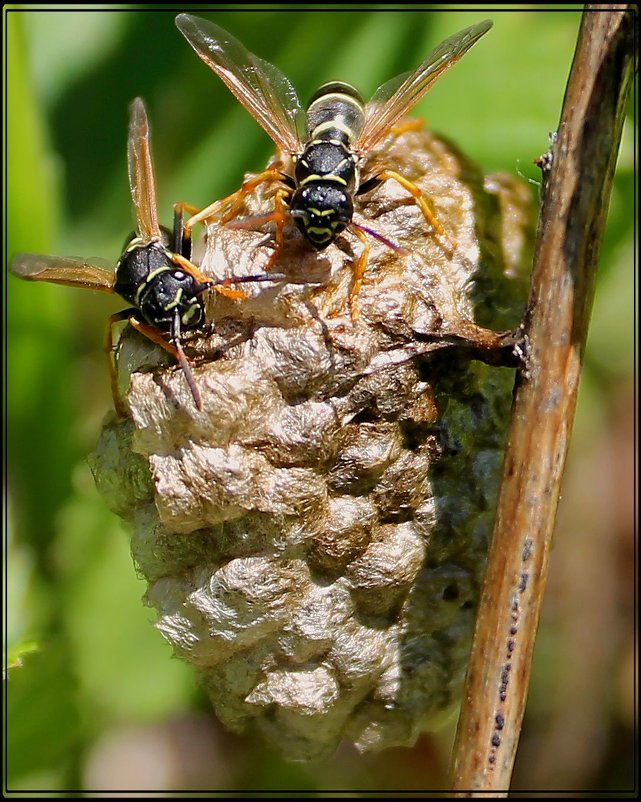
(577, 176)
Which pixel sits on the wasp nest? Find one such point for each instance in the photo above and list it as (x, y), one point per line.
(314, 539)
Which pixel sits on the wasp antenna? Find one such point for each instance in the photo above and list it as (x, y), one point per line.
(380, 238)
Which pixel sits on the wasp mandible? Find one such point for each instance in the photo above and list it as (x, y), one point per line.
(154, 273)
(324, 145)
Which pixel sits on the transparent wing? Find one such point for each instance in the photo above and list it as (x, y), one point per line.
(394, 99)
(141, 172)
(93, 274)
(259, 86)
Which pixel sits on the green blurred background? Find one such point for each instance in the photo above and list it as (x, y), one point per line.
(96, 700)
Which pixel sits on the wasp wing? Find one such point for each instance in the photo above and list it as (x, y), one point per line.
(259, 86)
(396, 97)
(141, 172)
(93, 274)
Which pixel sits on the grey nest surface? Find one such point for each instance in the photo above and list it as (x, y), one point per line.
(314, 538)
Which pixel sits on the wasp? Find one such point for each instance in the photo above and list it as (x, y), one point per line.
(326, 143)
(154, 273)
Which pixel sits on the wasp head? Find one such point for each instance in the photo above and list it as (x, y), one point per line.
(321, 212)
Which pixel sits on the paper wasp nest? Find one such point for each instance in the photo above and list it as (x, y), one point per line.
(314, 539)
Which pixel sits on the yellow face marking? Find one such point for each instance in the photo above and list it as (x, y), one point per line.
(191, 311)
(329, 177)
(148, 278)
(176, 300)
(312, 177)
(323, 213)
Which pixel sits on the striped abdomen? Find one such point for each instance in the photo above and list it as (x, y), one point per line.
(336, 112)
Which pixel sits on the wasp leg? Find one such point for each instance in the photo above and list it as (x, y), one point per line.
(174, 348)
(278, 216)
(387, 175)
(247, 187)
(182, 207)
(182, 236)
(414, 124)
(132, 316)
(234, 201)
(223, 289)
(184, 364)
(109, 349)
(215, 284)
(152, 334)
(359, 272)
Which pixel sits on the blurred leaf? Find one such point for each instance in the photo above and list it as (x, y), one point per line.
(85, 37)
(42, 720)
(17, 654)
(611, 340)
(115, 646)
(39, 414)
